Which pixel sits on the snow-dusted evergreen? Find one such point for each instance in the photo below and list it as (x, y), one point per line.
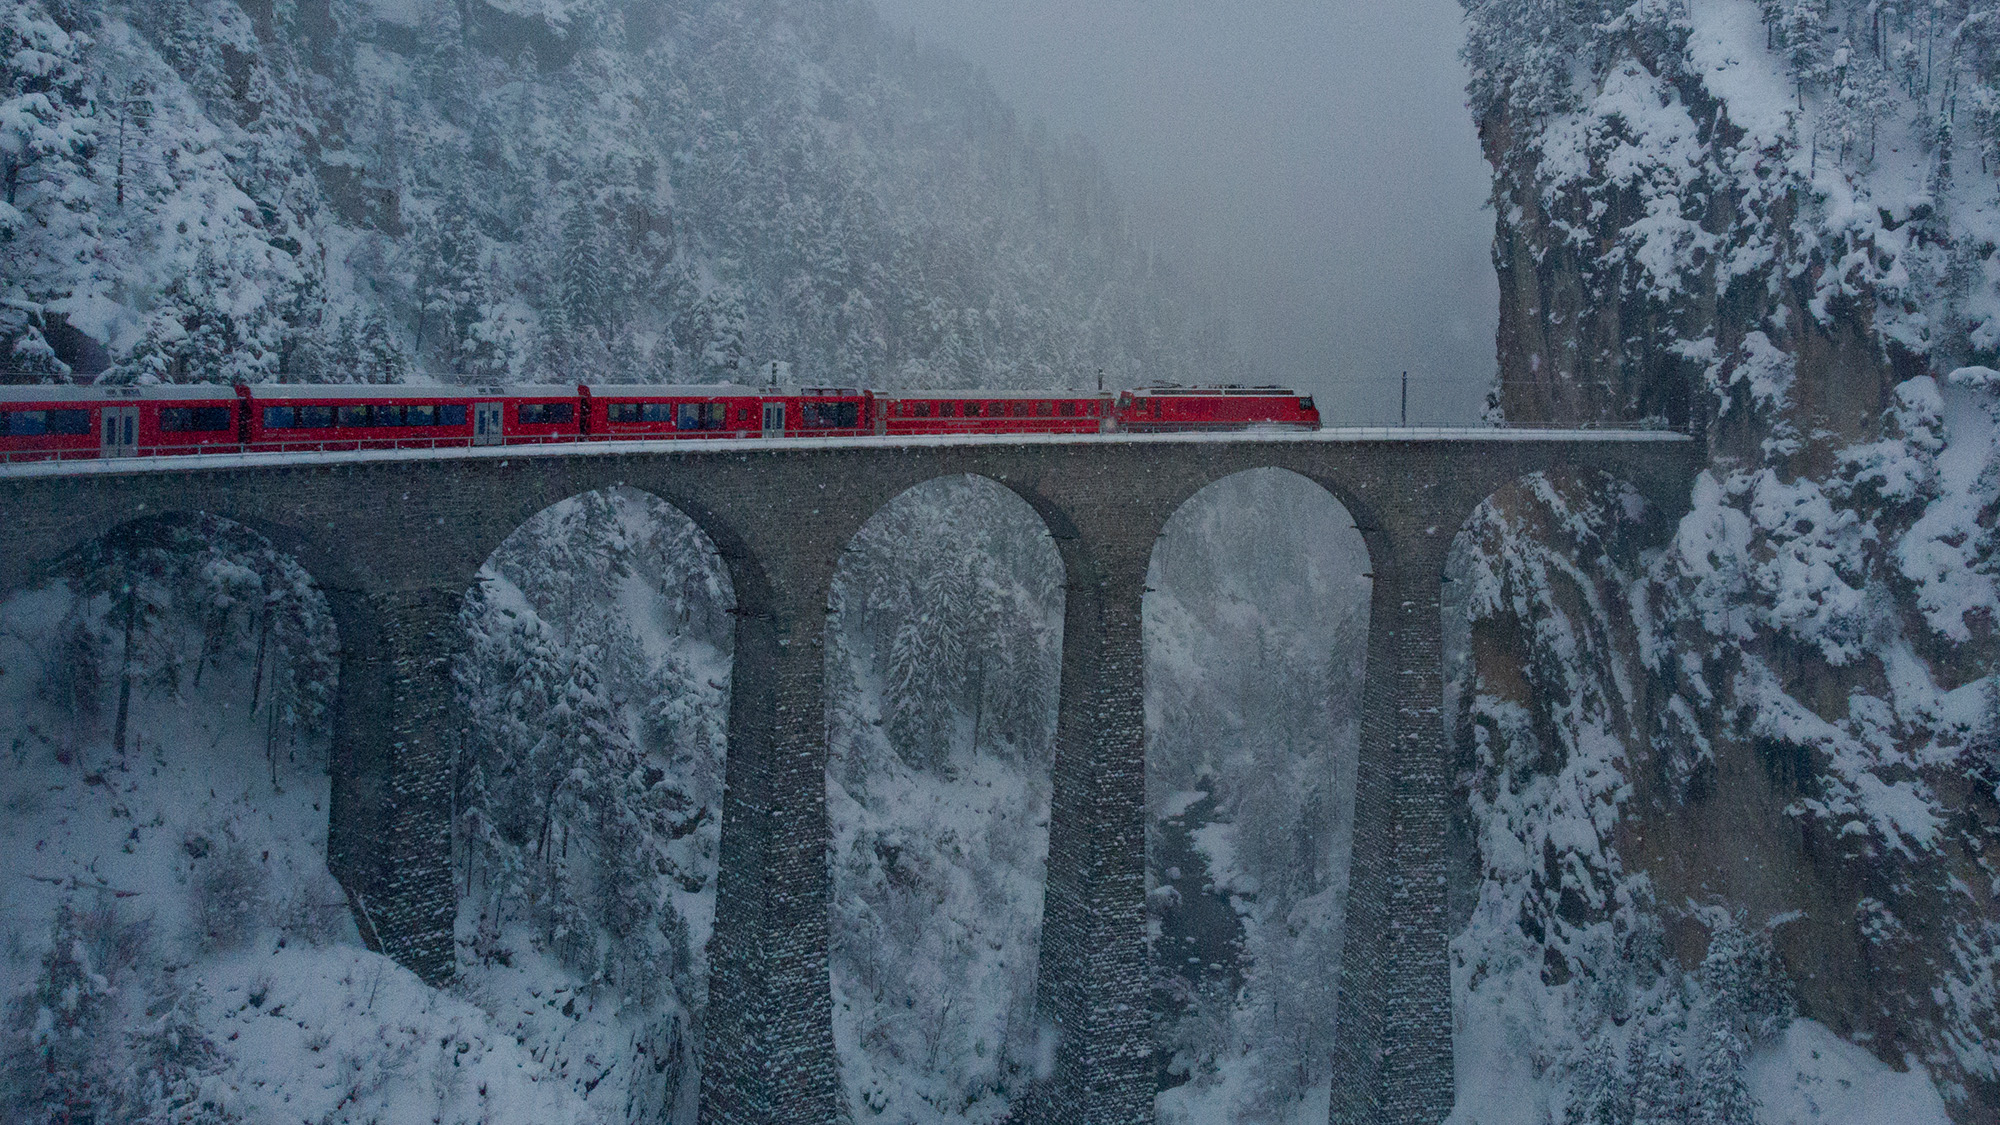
(584, 190)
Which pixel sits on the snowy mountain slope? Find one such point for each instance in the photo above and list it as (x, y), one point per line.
(1771, 223)
(594, 190)
(590, 793)
(176, 948)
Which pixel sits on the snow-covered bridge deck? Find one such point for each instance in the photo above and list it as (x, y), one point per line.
(395, 539)
(182, 462)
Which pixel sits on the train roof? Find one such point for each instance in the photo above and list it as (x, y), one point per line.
(672, 390)
(282, 391)
(115, 392)
(979, 394)
(1222, 389)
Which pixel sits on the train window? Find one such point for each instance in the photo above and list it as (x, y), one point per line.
(354, 415)
(315, 417)
(923, 410)
(280, 417)
(451, 414)
(1044, 409)
(1020, 410)
(622, 411)
(702, 416)
(425, 415)
(972, 410)
(1305, 404)
(388, 414)
(1069, 410)
(830, 415)
(26, 423)
(546, 413)
(34, 423)
(947, 409)
(194, 419)
(69, 421)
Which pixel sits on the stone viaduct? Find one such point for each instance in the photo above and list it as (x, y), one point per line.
(395, 541)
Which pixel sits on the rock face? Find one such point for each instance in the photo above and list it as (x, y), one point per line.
(1761, 223)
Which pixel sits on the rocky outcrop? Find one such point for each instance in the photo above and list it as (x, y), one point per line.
(1779, 729)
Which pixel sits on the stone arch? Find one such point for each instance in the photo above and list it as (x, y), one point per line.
(240, 644)
(595, 677)
(1256, 620)
(940, 789)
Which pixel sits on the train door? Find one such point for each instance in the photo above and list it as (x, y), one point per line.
(774, 419)
(120, 431)
(486, 423)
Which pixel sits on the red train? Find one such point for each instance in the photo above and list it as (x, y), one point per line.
(61, 422)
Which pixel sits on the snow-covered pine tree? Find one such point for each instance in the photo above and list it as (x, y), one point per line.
(172, 1057)
(48, 137)
(61, 1057)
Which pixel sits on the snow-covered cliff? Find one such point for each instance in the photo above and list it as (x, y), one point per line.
(1731, 798)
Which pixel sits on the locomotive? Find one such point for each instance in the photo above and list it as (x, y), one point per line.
(40, 423)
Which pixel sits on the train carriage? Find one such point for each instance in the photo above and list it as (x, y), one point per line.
(362, 416)
(818, 412)
(716, 410)
(654, 412)
(43, 423)
(995, 412)
(57, 422)
(531, 415)
(1230, 406)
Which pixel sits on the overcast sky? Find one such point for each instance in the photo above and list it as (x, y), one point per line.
(1313, 158)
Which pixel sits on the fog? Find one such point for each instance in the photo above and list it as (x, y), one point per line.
(1312, 160)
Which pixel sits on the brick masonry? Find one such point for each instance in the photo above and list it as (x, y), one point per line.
(396, 543)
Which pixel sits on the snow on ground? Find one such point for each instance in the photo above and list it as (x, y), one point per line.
(307, 1024)
(196, 862)
(1813, 1077)
(342, 1034)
